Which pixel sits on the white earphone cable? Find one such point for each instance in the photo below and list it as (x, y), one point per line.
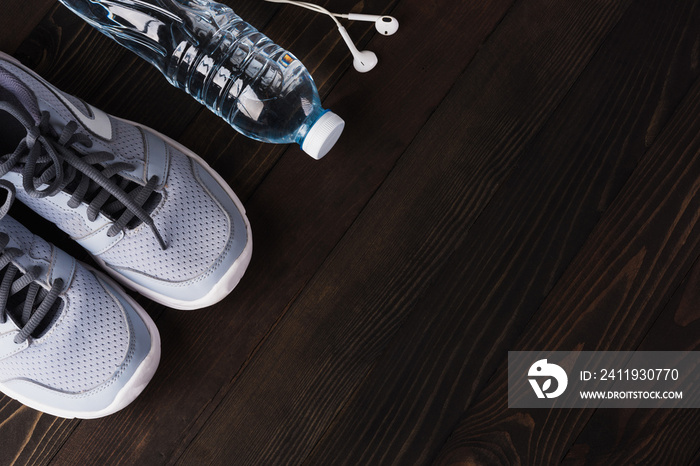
(364, 60)
(313, 7)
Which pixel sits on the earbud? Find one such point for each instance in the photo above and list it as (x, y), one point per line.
(386, 25)
(363, 61)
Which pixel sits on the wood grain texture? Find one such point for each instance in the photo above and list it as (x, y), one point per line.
(513, 175)
(293, 388)
(29, 437)
(608, 298)
(650, 436)
(512, 255)
(204, 350)
(18, 20)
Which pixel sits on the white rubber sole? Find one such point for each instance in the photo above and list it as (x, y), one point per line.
(129, 392)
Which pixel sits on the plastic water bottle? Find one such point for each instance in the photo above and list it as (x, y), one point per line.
(205, 49)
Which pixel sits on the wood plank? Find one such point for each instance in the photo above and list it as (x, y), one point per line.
(696, 459)
(650, 436)
(293, 387)
(17, 21)
(28, 435)
(607, 299)
(298, 214)
(520, 245)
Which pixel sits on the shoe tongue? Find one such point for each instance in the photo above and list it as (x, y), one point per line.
(34, 251)
(13, 90)
(15, 309)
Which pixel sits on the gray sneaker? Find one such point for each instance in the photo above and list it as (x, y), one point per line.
(72, 343)
(153, 214)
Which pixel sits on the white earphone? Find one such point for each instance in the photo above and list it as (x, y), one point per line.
(386, 25)
(364, 60)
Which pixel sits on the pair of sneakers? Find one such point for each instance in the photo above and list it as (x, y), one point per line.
(150, 212)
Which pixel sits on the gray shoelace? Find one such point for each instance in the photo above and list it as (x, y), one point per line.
(34, 300)
(51, 160)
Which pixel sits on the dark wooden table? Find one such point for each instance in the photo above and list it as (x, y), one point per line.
(514, 175)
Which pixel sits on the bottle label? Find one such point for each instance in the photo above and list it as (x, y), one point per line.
(287, 59)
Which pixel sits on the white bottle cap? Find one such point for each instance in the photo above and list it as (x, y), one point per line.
(323, 135)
